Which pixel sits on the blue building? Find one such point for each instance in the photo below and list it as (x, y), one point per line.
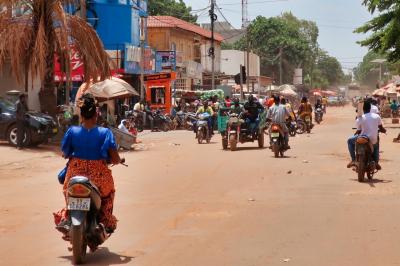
(122, 25)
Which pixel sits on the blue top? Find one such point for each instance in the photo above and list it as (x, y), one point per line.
(85, 144)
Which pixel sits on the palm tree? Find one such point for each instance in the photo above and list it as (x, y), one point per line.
(33, 32)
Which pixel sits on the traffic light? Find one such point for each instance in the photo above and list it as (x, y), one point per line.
(244, 76)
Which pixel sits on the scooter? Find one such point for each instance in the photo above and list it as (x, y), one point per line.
(318, 115)
(83, 205)
(277, 141)
(203, 132)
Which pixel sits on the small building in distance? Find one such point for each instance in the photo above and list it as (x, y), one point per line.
(191, 45)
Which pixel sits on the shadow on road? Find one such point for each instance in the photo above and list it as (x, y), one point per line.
(238, 149)
(372, 182)
(103, 257)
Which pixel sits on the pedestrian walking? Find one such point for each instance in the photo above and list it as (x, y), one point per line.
(22, 109)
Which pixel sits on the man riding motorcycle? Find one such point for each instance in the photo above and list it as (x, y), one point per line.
(305, 109)
(370, 124)
(236, 108)
(278, 114)
(252, 110)
(206, 109)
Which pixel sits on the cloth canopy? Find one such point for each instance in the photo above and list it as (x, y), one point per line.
(288, 92)
(108, 89)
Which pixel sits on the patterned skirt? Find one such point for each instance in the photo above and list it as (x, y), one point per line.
(100, 175)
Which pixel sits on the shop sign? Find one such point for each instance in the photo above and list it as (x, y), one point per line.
(165, 61)
(76, 66)
(157, 77)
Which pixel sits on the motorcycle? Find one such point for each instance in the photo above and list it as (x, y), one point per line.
(190, 120)
(240, 131)
(308, 124)
(203, 132)
(318, 115)
(365, 163)
(83, 205)
(292, 127)
(161, 121)
(64, 117)
(277, 140)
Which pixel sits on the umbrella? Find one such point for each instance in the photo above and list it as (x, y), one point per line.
(330, 93)
(288, 92)
(287, 86)
(391, 89)
(317, 93)
(379, 92)
(112, 88)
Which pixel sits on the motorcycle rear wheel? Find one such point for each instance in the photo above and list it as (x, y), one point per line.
(261, 139)
(361, 169)
(301, 127)
(275, 149)
(79, 243)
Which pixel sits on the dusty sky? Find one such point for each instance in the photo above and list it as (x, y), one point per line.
(336, 20)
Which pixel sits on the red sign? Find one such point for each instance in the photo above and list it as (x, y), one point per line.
(77, 68)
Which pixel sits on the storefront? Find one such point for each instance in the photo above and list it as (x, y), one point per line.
(159, 90)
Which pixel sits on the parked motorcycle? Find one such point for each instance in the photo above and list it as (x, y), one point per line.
(365, 163)
(277, 140)
(203, 132)
(83, 204)
(318, 114)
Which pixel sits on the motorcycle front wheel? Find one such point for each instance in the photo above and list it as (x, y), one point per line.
(233, 143)
(79, 243)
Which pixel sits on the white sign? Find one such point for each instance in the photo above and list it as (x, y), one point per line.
(132, 54)
(298, 76)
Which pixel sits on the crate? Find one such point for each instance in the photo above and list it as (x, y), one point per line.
(223, 117)
(123, 140)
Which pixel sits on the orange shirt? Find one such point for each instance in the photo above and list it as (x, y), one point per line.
(270, 102)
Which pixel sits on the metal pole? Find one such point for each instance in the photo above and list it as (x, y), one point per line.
(241, 83)
(280, 67)
(212, 49)
(142, 40)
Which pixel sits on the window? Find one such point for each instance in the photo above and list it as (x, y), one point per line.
(158, 95)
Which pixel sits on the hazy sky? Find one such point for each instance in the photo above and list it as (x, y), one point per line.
(336, 20)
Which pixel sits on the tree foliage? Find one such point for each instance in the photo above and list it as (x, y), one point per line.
(367, 72)
(298, 41)
(173, 8)
(385, 28)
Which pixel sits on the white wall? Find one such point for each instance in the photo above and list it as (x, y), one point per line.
(232, 59)
(206, 60)
(8, 82)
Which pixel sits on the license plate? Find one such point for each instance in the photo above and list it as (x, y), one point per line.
(78, 204)
(55, 130)
(274, 135)
(308, 119)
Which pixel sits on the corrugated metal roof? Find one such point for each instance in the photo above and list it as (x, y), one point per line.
(172, 22)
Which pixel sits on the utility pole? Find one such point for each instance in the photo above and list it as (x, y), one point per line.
(241, 83)
(280, 66)
(211, 51)
(245, 23)
(142, 64)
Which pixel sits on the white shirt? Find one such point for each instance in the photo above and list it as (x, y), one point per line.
(369, 126)
(374, 109)
(138, 107)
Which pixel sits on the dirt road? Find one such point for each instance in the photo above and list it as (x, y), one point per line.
(180, 203)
